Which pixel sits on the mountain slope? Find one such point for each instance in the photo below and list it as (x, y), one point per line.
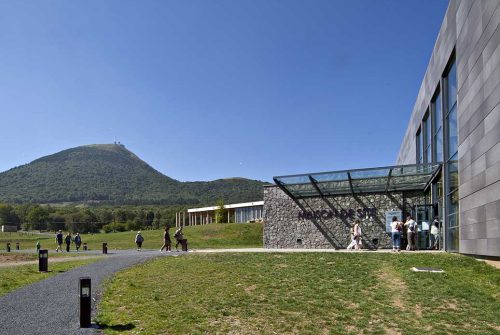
(111, 173)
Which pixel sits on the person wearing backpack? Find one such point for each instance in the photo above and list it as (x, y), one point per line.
(179, 237)
(411, 233)
(138, 240)
(78, 241)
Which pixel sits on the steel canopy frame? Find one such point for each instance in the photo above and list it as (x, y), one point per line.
(416, 177)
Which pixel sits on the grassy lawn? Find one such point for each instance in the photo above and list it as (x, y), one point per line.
(14, 277)
(228, 235)
(308, 293)
(26, 240)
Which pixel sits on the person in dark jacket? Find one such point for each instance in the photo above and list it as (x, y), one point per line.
(67, 240)
(78, 241)
(167, 243)
(138, 240)
(59, 241)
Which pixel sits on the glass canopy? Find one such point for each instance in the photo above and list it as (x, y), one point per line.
(374, 180)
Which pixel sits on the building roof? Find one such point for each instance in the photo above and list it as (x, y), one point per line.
(372, 180)
(213, 208)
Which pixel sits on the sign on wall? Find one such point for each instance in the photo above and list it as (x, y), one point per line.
(350, 213)
(388, 219)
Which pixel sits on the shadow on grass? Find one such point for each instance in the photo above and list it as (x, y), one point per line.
(128, 326)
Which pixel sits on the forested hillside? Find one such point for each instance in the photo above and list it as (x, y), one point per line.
(109, 173)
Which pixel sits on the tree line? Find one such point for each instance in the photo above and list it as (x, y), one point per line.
(87, 219)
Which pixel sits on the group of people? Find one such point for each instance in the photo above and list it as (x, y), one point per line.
(167, 242)
(411, 227)
(397, 230)
(68, 239)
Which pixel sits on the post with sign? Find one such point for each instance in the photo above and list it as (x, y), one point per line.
(43, 260)
(85, 303)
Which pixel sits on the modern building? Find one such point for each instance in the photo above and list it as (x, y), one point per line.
(237, 213)
(448, 165)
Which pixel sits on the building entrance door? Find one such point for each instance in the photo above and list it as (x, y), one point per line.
(424, 215)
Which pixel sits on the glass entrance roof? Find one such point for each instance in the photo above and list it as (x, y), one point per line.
(373, 180)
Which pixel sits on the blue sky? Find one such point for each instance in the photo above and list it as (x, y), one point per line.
(203, 90)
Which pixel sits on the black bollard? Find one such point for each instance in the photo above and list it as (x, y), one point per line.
(7, 247)
(184, 244)
(17, 245)
(85, 303)
(104, 248)
(43, 260)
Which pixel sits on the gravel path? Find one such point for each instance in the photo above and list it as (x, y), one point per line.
(51, 306)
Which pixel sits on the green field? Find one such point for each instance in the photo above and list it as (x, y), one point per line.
(303, 293)
(14, 277)
(228, 235)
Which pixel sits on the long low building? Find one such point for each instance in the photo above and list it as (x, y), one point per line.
(237, 213)
(448, 167)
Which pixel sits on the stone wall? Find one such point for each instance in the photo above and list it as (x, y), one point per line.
(325, 223)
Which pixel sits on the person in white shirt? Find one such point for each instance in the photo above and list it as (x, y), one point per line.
(396, 228)
(353, 240)
(411, 233)
(434, 236)
(357, 234)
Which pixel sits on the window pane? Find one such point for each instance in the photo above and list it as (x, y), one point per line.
(453, 240)
(453, 203)
(439, 145)
(453, 135)
(438, 115)
(452, 86)
(420, 148)
(428, 131)
(453, 173)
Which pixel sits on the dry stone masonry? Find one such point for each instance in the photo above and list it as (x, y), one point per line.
(317, 223)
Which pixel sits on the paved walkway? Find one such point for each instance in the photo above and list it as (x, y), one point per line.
(51, 306)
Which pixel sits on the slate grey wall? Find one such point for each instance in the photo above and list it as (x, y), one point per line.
(328, 224)
(473, 28)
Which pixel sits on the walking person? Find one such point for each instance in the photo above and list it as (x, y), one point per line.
(396, 228)
(353, 240)
(179, 237)
(138, 240)
(167, 243)
(59, 241)
(411, 233)
(78, 241)
(357, 234)
(434, 236)
(67, 240)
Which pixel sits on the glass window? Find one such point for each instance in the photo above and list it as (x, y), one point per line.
(453, 173)
(452, 178)
(453, 240)
(438, 115)
(426, 139)
(452, 132)
(451, 83)
(420, 148)
(453, 207)
(439, 145)
(438, 128)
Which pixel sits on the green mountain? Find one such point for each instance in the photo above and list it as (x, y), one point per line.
(110, 173)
